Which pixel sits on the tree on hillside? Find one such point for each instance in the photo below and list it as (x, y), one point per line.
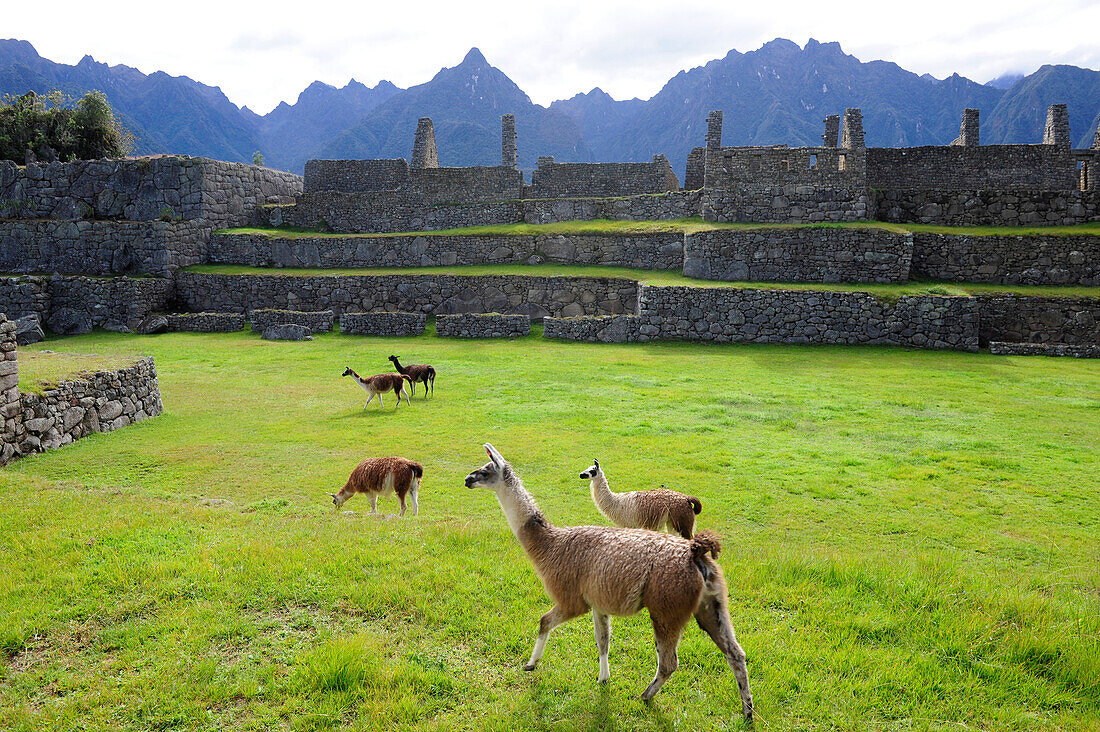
(51, 127)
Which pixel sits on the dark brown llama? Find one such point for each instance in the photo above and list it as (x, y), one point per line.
(417, 373)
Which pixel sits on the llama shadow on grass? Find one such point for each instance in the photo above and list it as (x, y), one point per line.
(605, 707)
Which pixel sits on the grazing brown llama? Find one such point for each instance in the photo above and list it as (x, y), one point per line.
(418, 373)
(379, 384)
(379, 476)
(613, 571)
(654, 509)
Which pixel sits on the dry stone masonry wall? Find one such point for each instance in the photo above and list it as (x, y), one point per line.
(383, 324)
(1044, 349)
(601, 180)
(1020, 319)
(1026, 260)
(317, 321)
(490, 325)
(205, 322)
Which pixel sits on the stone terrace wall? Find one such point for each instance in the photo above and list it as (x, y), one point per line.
(383, 324)
(490, 325)
(467, 185)
(641, 251)
(660, 207)
(101, 247)
(317, 321)
(597, 329)
(590, 180)
(1031, 260)
(800, 316)
(143, 189)
(818, 254)
(1020, 319)
(986, 207)
(74, 304)
(205, 322)
(985, 167)
(796, 203)
(535, 297)
(356, 176)
(1044, 349)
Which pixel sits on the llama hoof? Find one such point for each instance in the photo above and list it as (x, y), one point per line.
(604, 682)
(529, 666)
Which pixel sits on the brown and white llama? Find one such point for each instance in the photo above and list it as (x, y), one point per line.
(379, 384)
(654, 509)
(418, 373)
(614, 571)
(379, 476)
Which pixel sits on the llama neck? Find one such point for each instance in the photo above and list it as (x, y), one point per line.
(605, 500)
(397, 365)
(519, 508)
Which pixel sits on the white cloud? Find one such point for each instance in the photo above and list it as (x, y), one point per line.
(266, 53)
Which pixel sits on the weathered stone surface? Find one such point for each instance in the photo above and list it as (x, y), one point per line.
(287, 332)
(69, 321)
(489, 325)
(315, 322)
(383, 324)
(205, 322)
(1091, 350)
(152, 324)
(28, 330)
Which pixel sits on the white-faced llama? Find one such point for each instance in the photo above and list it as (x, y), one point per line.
(654, 509)
(418, 373)
(379, 384)
(613, 571)
(379, 476)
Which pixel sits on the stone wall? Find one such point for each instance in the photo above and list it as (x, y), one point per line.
(143, 189)
(356, 176)
(600, 180)
(205, 322)
(818, 254)
(490, 325)
(660, 207)
(1025, 319)
(641, 251)
(533, 296)
(984, 207)
(801, 316)
(795, 203)
(383, 324)
(75, 304)
(319, 321)
(1031, 260)
(1044, 349)
(781, 166)
(593, 329)
(984, 167)
(101, 247)
(474, 184)
(103, 401)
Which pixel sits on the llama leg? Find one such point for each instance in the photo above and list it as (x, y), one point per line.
(555, 617)
(369, 397)
(413, 496)
(401, 500)
(713, 616)
(603, 643)
(407, 400)
(667, 661)
(373, 503)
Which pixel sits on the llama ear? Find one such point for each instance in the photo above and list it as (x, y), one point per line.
(495, 456)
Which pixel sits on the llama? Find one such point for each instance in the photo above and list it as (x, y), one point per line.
(417, 372)
(654, 510)
(379, 476)
(614, 571)
(381, 383)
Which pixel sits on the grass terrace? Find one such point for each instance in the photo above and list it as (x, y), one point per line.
(689, 226)
(661, 278)
(911, 540)
(40, 371)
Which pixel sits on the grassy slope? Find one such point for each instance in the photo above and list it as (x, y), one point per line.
(662, 277)
(911, 540)
(40, 371)
(606, 226)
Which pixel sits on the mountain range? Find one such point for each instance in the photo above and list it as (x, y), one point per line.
(776, 94)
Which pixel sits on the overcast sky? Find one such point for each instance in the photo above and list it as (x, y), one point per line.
(263, 54)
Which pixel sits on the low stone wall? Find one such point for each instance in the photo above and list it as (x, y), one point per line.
(383, 324)
(317, 321)
(658, 207)
(986, 207)
(1030, 260)
(78, 304)
(535, 297)
(790, 204)
(572, 180)
(1044, 349)
(23, 296)
(205, 322)
(491, 325)
(818, 254)
(802, 316)
(101, 247)
(1026, 319)
(639, 251)
(598, 329)
(104, 401)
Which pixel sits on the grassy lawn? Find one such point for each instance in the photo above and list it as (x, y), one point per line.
(40, 371)
(911, 540)
(689, 226)
(661, 277)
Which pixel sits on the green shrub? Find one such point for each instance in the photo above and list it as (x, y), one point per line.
(55, 125)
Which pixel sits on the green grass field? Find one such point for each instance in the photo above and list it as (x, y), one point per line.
(911, 540)
(40, 370)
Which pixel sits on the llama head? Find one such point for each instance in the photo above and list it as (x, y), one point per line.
(337, 501)
(394, 359)
(493, 473)
(348, 371)
(591, 472)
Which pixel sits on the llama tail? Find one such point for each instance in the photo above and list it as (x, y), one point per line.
(704, 542)
(417, 469)
(696, 505)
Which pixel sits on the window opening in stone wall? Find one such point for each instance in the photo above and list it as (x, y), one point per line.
(1082, 175)
(842, 162)
(813, 162)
